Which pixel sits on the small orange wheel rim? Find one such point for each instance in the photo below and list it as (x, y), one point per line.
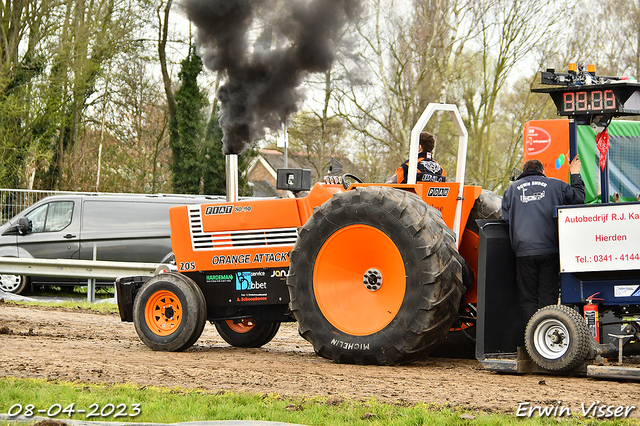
(163, 312)
(242, 326)
(348, 262)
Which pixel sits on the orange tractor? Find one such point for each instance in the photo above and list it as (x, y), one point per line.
(373, 273)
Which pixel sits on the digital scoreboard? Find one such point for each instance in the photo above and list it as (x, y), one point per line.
(615, 98)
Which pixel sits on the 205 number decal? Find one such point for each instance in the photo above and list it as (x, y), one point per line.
(187, 266)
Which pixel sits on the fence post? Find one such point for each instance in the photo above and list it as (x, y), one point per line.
(91, 282)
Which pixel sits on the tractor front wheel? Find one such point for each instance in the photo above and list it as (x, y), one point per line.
(169, 312)
(375, 277)
(247, 333)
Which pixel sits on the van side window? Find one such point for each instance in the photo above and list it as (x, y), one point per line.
(122, 216)
(51, 217)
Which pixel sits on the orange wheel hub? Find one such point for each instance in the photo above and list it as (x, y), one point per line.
(359, 280)
(163, 312)
(243, 326)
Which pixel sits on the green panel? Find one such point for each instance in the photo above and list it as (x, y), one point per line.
(625, 128)
(589, 172)
(624, 160)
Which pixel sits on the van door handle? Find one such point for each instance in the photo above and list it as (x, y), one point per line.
(69, 236)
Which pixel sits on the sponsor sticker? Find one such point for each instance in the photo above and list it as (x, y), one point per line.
(219, 278)
(537, 140)
(248, 286)
(438, 192)
(244, 281)
(211, 210)
(624, 290)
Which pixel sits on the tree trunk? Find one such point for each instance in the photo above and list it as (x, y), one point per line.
(162, 52)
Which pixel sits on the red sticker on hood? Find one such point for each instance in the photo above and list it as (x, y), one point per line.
(537, 140)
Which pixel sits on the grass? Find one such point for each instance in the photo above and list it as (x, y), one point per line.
(162, 405)
(78, 293)
(68, 291)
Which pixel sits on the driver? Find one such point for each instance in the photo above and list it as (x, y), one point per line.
(428, 169)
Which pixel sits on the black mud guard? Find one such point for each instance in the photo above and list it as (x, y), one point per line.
(126, 290)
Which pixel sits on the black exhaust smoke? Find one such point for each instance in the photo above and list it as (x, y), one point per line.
(260, 88)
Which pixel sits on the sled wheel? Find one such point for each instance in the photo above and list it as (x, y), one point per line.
(247, 333)
(14, 284)
(375, 277)
(557, 338)
(169, 312)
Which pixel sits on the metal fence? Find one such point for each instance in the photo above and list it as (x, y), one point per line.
(74, 268)
(16, 200)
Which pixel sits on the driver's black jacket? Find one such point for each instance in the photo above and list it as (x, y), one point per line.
(428, 170)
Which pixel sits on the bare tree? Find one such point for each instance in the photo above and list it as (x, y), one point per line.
(409, 49)
(509, 32)
(133, 131)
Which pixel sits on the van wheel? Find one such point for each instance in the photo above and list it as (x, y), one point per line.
(247, 333)
(14, 284)
(169, 312)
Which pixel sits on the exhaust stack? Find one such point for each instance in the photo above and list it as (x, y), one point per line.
(231, 161)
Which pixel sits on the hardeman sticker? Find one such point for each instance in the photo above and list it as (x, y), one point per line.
(218, 278)
(436, 191)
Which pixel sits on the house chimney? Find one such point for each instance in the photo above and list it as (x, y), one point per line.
(231, 161)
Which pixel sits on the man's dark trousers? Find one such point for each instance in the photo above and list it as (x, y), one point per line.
(537, 278)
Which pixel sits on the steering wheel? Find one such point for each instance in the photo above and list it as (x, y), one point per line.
(349, 175)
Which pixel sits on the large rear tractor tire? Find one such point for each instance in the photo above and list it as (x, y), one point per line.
(247, 333)
(557, 338)
(487, 206)
(375, 277)
(169, 312)
(14, 284)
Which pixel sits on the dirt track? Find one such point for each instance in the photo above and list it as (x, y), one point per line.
(89, 347)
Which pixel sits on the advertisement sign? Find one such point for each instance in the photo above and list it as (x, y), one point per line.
(599, 238)
(249, 286)
(548, 141)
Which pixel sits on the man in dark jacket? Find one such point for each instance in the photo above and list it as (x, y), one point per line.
(428, 169)
(528, 207)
